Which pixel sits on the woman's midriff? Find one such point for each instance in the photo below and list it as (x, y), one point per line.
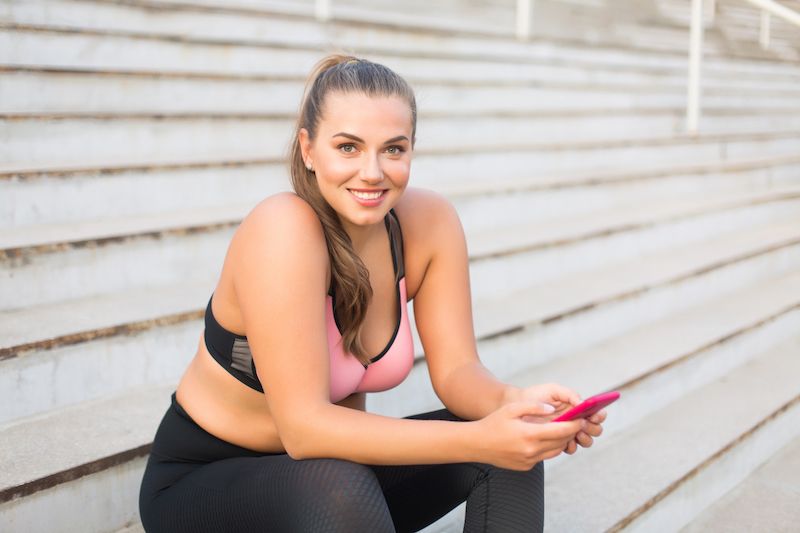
(228, 409)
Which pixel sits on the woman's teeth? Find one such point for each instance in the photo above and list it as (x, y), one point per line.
(367, 195)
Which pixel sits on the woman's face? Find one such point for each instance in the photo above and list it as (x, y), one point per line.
(361, 155)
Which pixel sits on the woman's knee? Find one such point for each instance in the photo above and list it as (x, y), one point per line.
(341, 495)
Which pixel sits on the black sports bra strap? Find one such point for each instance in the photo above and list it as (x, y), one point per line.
(396, 236)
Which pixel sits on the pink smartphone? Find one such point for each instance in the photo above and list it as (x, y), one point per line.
(589, 406)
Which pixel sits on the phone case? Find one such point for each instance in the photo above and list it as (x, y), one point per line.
(589, 406)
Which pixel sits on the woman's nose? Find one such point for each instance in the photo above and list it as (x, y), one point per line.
(371, 171)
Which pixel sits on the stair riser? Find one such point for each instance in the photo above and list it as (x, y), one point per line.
(721, 476)
(452, 170)
(46, 380)
(48, 200)
(63, 144)
(97, 503)
(526, 205)
(69, 143)
(29, 92)
(23, 48)
(84, 272)
(507, 274)
(55, 200)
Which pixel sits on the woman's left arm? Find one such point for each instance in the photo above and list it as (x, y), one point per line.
(443, 313)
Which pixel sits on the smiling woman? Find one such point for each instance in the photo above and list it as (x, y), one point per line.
(267, 429)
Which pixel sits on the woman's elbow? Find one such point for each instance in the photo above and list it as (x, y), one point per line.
(300, 437)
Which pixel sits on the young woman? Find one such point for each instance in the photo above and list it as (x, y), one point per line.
(267, 429)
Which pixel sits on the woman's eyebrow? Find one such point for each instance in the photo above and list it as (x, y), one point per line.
(359, 139)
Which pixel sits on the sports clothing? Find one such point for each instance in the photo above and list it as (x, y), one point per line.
(195, 482)
(348, 375)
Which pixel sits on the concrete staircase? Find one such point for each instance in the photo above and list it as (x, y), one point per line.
(608, 249)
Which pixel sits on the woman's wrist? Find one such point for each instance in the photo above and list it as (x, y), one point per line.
(471, 442)
(511, 394)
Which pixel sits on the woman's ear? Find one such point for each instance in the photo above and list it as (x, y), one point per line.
(305, 145)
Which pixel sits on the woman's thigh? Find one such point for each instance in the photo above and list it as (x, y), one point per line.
(272, 493)
(196, 482)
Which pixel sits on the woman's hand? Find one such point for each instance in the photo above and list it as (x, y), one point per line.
(558, 396)
(562, 399)
(506, 440)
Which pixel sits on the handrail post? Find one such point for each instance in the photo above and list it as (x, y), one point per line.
(322, 10)
(524, 10)
(695, 59)
(763, 34)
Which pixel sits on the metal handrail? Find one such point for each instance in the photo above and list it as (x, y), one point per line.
(768, 8)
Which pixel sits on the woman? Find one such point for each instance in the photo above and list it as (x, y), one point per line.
(267, 429)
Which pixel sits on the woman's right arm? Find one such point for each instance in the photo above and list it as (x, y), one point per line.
(280, 273)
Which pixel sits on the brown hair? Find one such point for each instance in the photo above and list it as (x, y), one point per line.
(350, 278)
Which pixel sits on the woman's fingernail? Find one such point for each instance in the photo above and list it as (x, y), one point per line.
(547, 408)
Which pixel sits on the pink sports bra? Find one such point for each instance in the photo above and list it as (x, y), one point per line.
(348, 375)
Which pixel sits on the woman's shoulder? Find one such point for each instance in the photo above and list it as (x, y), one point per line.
(422, 210)
(281, 221)
(286, 206)
(280, 215)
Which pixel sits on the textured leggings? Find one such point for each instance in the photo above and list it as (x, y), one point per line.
(196, 482)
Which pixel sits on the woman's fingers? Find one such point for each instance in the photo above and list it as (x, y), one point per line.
(594, 430)
(598, 418)
(571, 448)
(584, 440)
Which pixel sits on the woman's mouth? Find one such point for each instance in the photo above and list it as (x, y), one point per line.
(368, 197)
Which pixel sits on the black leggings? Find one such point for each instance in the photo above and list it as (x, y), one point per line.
(196, 482)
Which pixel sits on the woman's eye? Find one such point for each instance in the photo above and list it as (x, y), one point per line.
(344, 148)
(394, 150)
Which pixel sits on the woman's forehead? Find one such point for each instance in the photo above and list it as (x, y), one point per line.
(364, 112)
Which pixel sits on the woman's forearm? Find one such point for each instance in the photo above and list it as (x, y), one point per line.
(472, 392)
(343, 433)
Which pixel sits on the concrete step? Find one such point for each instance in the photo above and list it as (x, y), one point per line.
(264, 25)
(88, 457)
(101, 257)
(64, 48)
(28, 91)
(459, 169)
(686, 453)
(61, 147)
(765, 501)
(47, 141)
(543, 201)
(537, 232)
(57, 198)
